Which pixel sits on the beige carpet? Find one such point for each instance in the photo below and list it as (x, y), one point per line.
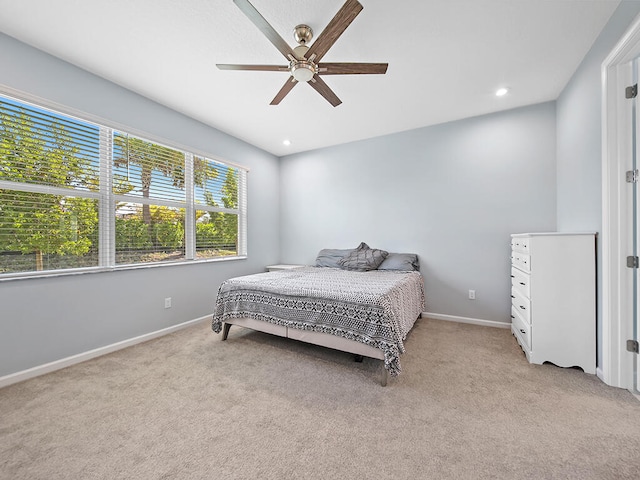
(188, 406)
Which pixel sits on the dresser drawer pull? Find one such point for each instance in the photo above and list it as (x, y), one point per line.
(522, 330)
(522, 283)
(513, 296)
(523, 308)
(513, 276)
(513, 316)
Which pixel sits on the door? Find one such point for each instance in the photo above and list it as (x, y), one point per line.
(617, 366)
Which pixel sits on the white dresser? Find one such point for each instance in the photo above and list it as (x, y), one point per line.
(553, 298)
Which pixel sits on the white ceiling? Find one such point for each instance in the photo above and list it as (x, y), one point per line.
(446, 58)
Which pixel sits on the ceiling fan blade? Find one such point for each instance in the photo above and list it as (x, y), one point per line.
(286, 88)
(259, 21)
(336, 27)
(352, 68)
(262, 68)
(323, 89)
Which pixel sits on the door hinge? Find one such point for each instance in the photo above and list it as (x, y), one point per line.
(632, 176)
(631, 92)
(633, 262)
(633, 346)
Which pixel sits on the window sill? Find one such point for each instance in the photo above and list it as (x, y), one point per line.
(93, 270)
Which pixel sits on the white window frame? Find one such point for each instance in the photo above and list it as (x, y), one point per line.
(107, 199)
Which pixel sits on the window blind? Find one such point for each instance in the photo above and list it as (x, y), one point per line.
(42, 148)
(75, 194)
(217, 213)
(49, 179)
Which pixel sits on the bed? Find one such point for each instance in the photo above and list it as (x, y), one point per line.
(365, 312)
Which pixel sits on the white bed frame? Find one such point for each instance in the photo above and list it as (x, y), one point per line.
(315, 338)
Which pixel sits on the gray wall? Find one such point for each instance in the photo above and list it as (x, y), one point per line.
(579, 139)
(47, 319)
(451, 193)
(579, 151)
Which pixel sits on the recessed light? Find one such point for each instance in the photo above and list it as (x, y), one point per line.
(286, 142)
(501, 92)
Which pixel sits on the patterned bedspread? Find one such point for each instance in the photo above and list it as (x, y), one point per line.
(377, 308)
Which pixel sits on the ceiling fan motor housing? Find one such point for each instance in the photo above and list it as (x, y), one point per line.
(302, 69)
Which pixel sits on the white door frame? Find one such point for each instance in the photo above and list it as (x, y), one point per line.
(616, 367)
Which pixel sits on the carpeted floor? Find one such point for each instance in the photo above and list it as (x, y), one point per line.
(188, 406)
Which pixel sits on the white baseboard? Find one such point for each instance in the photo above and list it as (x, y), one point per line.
(81, 357)
(474, 321)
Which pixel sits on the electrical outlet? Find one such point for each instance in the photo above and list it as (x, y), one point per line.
(472, 294)
(167, 302)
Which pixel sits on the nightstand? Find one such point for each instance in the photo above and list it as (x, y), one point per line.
(273, 268)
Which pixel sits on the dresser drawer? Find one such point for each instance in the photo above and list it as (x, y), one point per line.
(521, 281)
(519, 244)
(522, 328)
(522, 304)
(521, 261)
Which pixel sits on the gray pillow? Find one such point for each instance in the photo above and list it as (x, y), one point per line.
(405, 262)
(363, 258)
(330, 257)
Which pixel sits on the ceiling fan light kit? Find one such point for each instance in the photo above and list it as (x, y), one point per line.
(304, 62)
(303, 71)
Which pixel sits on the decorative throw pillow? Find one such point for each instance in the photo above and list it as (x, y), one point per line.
(404, 262)
(363, 258)
(330, 257)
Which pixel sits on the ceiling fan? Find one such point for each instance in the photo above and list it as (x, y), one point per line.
(304, 62)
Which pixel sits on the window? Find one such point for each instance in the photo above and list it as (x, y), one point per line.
(75, 194)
